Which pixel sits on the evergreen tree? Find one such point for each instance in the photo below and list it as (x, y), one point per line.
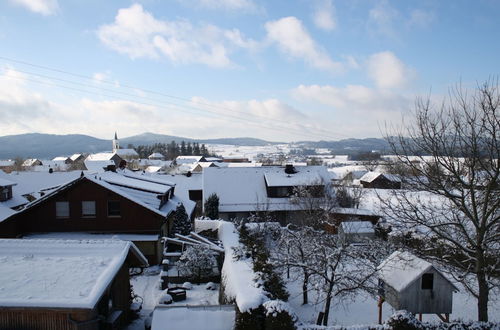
(181, 224)
(183, 148)
(196, 149)
(212, 206)
(204, 150)
(189, 149)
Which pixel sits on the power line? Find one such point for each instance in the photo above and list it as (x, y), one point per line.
(249, 117)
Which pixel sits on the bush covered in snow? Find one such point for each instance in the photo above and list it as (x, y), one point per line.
(187, 285)
(196, 262)
(254, 246)
(212, 206)
(165, 298)
(403, 320)
(279, 315)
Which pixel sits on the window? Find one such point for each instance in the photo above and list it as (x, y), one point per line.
(428, 281)
(62, 209)
(88, 209)
(114, 209)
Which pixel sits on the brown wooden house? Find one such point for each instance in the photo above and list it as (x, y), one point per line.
(108, 203)
(380, 181)
(66, 284)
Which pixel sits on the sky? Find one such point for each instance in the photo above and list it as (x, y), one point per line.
(280, 70)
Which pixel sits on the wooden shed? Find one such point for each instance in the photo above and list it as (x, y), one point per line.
(66, 284)
(413, 284)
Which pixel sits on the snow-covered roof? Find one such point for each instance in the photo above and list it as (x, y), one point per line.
(304, 176)
(5, 163)
(126, 152)
(357, 227)
(30, 162)
(188, 159)
(243, 189)
(402, 268)
(6, 183)
(92, 236)
(220, 317)
(98, 165)
(60, 159)
(60, 273)
(353, 211)
(152, 169)
(100, 156)
(75, 156)
(156, 155)
(370, 176)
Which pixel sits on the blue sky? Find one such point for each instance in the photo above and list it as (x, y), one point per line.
(277, 70)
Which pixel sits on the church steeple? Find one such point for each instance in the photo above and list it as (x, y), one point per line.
(116, 144)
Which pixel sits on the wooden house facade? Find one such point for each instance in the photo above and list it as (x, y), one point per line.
(95, 204)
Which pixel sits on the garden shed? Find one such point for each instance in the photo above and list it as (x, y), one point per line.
(411, 283)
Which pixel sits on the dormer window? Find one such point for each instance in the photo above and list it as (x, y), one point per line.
(5, 193)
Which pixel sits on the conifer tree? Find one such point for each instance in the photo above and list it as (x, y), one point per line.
(181, 224)
(212, 206)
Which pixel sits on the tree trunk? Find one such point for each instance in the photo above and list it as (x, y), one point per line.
(327, 303)
(482, 301)
(305, 283)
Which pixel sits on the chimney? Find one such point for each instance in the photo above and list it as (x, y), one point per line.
(289, 169)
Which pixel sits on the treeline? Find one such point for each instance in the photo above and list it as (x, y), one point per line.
(173, 149)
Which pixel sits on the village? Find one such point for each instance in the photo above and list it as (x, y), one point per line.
(113, 241)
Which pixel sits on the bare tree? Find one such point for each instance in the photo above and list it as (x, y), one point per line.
(453, 193)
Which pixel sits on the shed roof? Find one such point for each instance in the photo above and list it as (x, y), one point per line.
(402, 268)
(60, 273)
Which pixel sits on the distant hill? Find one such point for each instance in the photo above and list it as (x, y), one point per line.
(47, 146)
(36, 145)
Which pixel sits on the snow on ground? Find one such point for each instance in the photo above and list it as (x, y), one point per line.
(147, 286)
(363, 309)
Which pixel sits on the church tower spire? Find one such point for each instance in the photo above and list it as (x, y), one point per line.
(116, 144)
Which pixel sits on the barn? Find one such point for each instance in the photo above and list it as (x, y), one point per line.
(413, 284)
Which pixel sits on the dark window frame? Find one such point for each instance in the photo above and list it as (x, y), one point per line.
(118, 214)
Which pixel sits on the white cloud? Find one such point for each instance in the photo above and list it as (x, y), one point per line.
(294, 40)
(137, 33)
(388, 71)
(355, 110)
(382, 18)
(44, 7)
(324, 16)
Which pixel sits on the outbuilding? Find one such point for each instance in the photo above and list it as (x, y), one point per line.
(411, 283)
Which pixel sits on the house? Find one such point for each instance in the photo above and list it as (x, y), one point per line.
(7, 165)
(77, 158)
(243, 191)
(156, 156)
(410, 283)
(356, 231)
(63, 160)
(66, 284)
(189, 159)
(127, 154)
(380, 181)
(106, 203)
(30, 162)
(103, 157)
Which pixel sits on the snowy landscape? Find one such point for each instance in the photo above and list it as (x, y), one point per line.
(249, 165)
